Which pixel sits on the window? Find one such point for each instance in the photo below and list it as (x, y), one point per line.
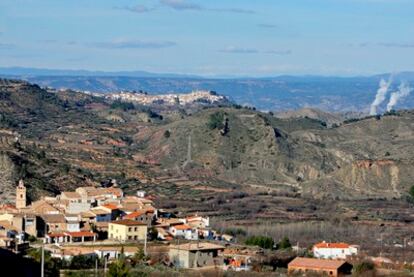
(129, 237)
(135, 229)
(130, 229)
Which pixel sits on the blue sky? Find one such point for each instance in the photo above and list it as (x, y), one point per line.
(214, 37)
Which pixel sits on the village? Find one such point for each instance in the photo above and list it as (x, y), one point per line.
(103, 223)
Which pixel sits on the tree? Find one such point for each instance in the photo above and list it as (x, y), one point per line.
(82, 262)
(153, 233)
(31, 238)
(139, 257)
(216, 121)
(119, 269)
(262, 241)
(284, 243)
(411, 191)
(52, 265)
(363, 268)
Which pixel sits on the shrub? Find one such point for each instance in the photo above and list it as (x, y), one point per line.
(32, 238)
(125, 106)
(216, 121)
(262, 241)
(284, 243)
(167, 134)
(363, 267)
(235, 232)
(82, 262)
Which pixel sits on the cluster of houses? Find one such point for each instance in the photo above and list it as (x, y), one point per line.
(329, 259)
(95, 213)
(102, 214)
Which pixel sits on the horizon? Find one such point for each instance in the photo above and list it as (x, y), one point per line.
(258, 40)
(59, 72)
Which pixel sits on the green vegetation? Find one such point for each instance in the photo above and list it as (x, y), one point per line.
(284, 243)
(262, 241)
(121, 105)
(82, 262)
(52, 265)
(235, 232)
(362, 268)
(412, 191)
(216, 121)
(139, 257)
(167, 134)
(119, 269)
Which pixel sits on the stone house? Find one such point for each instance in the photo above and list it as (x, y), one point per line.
(196, 255)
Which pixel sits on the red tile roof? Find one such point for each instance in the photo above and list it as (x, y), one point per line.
(182, 227)
(317, 264)
(331, 245)
(128, 222)
(55, 235)
(111, 206)
(81, 234)
(135, 214)
(73, 234)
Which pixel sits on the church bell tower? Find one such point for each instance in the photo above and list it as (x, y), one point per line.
(21, 195)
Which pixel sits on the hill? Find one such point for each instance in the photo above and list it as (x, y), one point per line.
(63, 139)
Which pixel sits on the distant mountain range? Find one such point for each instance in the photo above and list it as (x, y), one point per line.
(334, 94)
(30, 71)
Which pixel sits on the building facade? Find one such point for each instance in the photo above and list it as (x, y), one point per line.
(326, 250)
(124, 230)
(196, 255)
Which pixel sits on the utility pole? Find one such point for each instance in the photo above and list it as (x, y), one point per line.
(145, 241)
(42, 266)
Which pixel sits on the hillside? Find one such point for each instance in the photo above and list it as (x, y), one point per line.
(329, 118)
(66, 139)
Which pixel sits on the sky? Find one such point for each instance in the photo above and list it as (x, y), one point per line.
(210, 37)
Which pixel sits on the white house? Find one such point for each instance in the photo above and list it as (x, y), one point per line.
(197, 221)
(184, 231)
(327, 250)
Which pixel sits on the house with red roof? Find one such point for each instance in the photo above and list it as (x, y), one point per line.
(183, 231)
(145, 215)
(334, 250)
(304, 266)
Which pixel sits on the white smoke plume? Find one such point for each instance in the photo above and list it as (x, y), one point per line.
(404, 90)
(381, 95)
